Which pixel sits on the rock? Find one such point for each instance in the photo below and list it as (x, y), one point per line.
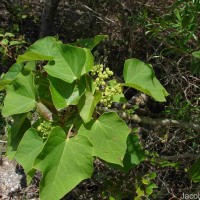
(9, 179)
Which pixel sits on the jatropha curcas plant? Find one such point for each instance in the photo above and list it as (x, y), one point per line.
(53, 93)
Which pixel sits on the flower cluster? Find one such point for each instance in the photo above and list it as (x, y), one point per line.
(101, 84)
(45, 128)
(101, 76)
(109, 93)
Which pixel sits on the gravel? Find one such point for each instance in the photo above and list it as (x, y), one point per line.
(9, 179)
(13, 182)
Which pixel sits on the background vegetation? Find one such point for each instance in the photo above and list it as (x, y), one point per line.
(165, 34)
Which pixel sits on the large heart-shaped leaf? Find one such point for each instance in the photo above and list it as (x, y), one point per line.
(67, 164)
(30, 146)
(20, 97)
(108, 135)
(140, 76)
(134, 154)
(66, 62)
(40, 50)
(87, 105)
(65, 94)
(69, 62)
(10, 75)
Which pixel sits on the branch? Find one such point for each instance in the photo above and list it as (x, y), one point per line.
(44, 111)
(97, 15)
(156, 122)
(179, 157)
(167, 122)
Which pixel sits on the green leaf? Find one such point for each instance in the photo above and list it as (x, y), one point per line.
(10, 75)
(30, 146)
(40, 50)
(134, 154)
(140, 192)
(194, 171)
(16, 43)
(150, 187)
(195, 63)
(196, 54)
(4, 41)
(140, 76)
(69, 63)
(88, 82)
(20, 125)
(44, 89)
(7, 34)
(65, 94)
(20, 97)
(90, 43)
(87, 104)
(195, 66)
(108, 135)
(29, 176)
(145, 181)
(30, 66)
(152, 175)
(119, 98)
(166, 163)
(67, 164)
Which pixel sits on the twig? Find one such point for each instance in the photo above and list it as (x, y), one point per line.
(44, 111)
(6, 50)
(69, 132)
(180, 157)
(99, 16)
(156, 122)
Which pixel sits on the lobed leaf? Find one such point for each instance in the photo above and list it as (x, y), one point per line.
(20, 97)
(10, 75)
(140, 76)
(30, 146)
(65, 94)
(108, 135)
(66, 62)
(67, 164)
(87, 105)
(41, 50)
(134, 154)
(69, 63)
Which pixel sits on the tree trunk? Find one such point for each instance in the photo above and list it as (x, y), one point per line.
(49, 12)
